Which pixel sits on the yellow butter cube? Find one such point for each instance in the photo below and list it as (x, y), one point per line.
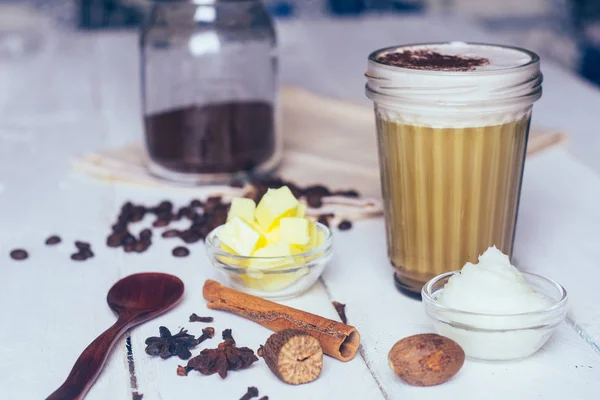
(239, 236)
(275, 204)
(263, 241)
(280, 251)
(242, 208)
(301, 210)
(277, 249)
(274, 235)
(295, 230)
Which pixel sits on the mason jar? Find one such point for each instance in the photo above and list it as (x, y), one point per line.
(209, 90)
(452, 125)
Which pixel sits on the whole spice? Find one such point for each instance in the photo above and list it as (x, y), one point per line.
(251, 393)
(345, 225)
(180, 251)
(293, 356)
(195, 318)
(167, 345)
(183, 371)
(341, 310)
(226, 357)
(426, 360)
(52, 240)
(338, 340)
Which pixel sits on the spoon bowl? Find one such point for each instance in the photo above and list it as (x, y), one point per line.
(136, 299)
(147, 292)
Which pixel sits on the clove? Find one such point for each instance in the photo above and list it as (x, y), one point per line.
(196, 318)
(251, 393)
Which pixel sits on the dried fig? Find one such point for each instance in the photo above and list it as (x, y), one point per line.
(426, 360)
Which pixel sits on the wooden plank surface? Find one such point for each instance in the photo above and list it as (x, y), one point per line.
(52, 307)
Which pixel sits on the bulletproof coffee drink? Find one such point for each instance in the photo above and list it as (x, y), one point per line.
(452, 125)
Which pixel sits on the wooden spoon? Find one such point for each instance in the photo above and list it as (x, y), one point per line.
(136, 299)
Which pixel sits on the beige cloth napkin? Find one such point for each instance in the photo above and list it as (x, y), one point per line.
(326, 141)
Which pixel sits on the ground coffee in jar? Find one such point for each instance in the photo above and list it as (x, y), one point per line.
(209, 90)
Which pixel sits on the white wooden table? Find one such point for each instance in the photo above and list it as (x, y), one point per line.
(84, 97)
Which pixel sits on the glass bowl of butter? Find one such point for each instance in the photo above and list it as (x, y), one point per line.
(272, 249)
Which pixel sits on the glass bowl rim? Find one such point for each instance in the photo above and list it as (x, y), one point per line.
(428, 300)
(321, 251)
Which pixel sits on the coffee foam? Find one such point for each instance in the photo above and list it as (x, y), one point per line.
(496, 58)
(499, 91)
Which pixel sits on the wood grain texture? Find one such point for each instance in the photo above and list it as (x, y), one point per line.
(74, 100)
(136, 299)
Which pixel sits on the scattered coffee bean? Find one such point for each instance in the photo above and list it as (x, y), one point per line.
(140, 247)
(145, 234)
(170, 233)
(52, 240)
(114, 240)
(128, 239)
(79, 256)
(189, 236)
(87, 253)
(180, 251)
(82, 245)
(345, 225)
(165, 206)
(160, 222)
(129, 247)
(119, 227)
(19, 254)
(196, 203)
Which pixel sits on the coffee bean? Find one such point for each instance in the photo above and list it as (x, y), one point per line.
(140, 247)
(165, 206)
(196, 203)
(189, 236)
(87, 253)
(52, 240)
(129, 247)
(119, 227)
(180, 251)
(82, 245)
(145, 234)
(212, 203)
(79, 256)
(137, 214)
(345, 225)
(128, 206)
(170, 233)
(114, 240)
(19, 254)
(314, 200)
(159, 223)
(128, 239)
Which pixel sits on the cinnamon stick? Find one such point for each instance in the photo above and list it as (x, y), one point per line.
(338, 340)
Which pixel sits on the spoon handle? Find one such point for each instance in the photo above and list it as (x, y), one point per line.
(90, 363)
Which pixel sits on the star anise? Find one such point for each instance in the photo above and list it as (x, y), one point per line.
(226, 357)
(168, 345)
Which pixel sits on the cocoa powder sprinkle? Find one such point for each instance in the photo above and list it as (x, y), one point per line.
(431, 60)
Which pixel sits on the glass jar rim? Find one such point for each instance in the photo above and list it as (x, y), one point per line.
(485, 90)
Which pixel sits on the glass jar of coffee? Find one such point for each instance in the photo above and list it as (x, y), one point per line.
(209, 90)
